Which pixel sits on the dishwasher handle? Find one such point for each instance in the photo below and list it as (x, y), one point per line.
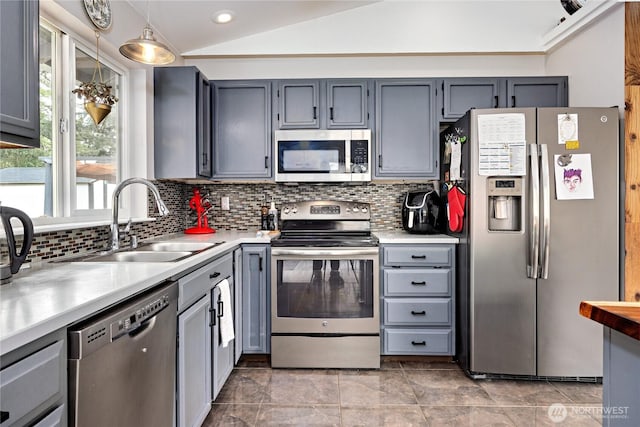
(144, 328)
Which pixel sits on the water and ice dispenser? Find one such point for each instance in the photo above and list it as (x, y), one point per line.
(505, 196)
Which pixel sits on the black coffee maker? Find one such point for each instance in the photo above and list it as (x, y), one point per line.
(423, 212)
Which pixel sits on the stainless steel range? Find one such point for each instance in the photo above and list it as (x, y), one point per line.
(325, 287)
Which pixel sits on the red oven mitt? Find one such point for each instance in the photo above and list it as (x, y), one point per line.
(456, 198)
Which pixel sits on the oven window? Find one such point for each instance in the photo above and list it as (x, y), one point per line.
(311, 156)
(325, 288)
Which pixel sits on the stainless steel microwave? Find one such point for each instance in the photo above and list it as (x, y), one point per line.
(342, 155)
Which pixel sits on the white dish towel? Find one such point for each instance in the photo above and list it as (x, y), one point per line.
(226, 321)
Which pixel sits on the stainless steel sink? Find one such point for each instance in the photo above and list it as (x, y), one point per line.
(161, 251)
(177, 246)
(139, 256)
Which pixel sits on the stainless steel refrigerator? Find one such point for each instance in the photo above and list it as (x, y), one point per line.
(541, 233)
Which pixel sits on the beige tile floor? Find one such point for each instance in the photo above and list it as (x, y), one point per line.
(404, 393)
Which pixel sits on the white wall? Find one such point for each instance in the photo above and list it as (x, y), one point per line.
(370, 66)
(594, 62)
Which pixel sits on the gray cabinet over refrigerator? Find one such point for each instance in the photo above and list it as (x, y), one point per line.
(182, 123)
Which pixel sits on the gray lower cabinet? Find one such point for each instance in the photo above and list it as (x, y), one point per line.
(620, 380)
(33, 384)
(457, 95)
(256, 319)
(19, 82)
(418, 299)
(405, 131)
(182, 123)
(203, 365)
(242, 129)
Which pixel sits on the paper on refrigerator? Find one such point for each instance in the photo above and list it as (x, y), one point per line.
(502, 144)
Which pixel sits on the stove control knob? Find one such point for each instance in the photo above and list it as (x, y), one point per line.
(285, 210)
(364, 209)
(325, 323)
(294, 209)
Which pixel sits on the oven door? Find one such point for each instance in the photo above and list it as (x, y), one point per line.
(325, 290)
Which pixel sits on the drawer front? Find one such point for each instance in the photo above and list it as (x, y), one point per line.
(417, 311)
(198, 283)
(54, 419)
(32, 383)
(424, 255)
(417, 282)
(418, 341)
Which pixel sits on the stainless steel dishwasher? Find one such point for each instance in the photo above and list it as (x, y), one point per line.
(122, 363)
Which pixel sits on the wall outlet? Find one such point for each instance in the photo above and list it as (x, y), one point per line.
(224, 203)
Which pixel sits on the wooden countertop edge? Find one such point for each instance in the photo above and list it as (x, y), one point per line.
(622, 316)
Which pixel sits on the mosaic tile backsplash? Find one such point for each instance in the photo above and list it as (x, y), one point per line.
(245, 201)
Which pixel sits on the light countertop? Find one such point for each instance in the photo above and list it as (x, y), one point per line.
(402, 237)
(51, 296)
(43, 299)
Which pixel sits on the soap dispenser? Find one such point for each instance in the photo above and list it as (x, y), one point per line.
(273, 216)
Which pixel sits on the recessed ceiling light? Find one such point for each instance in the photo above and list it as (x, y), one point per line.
(222, 17)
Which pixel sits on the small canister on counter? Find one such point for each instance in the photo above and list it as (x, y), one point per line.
(264, 218)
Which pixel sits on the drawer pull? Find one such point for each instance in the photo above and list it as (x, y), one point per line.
(214, 275)
(419, 313)
(418, 342)
(418, 257)
(423, 283)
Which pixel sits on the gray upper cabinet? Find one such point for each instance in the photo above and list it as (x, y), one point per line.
(299, 103)
(406, 131)
(347, 105)
(20, 100)
(461, 94)
(182, 123)
(242, 129)
(323, 104)
(537, 92)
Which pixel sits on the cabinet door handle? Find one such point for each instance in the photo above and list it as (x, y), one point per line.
(495, 104)
(418, 342)
(220, 309)
(4, 416)
(418, 257)
(380, 160)
(214, 275)
(331, 113)
(266, 162)
(204, 159)
(315, 113)
(423, 283)
(213, 316)
(260, 263)
(419, 313)
(513, 100)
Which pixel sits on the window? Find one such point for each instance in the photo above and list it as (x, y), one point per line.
(74, 172)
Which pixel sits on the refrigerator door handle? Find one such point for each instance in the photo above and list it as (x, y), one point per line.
(546, 212)
(534, 226)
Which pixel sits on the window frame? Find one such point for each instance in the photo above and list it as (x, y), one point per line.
(65, 213)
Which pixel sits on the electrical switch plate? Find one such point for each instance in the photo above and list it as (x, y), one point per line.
(224, 202)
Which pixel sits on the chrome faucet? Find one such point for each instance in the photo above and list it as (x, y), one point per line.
(115, 230)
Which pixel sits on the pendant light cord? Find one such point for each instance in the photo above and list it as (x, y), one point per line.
(97, 59)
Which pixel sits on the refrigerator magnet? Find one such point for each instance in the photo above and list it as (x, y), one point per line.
(567, 128)
(574, 179)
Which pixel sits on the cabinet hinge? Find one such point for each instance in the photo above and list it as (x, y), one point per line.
(63, 126)
(443, 86)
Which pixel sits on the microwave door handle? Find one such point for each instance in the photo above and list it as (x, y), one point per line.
(534, 206)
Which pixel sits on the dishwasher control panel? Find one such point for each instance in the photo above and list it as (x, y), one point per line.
(129, 322)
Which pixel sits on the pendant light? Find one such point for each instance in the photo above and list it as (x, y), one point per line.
(147, 49)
